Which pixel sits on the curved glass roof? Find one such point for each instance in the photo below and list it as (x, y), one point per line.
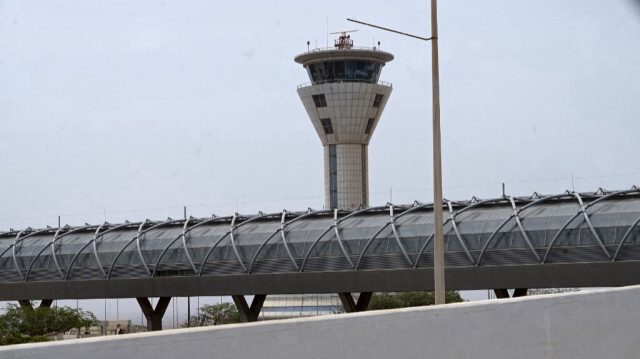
(564, 228)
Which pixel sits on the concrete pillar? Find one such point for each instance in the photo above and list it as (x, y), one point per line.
(350, 306)
(249, 313)
(154, 316)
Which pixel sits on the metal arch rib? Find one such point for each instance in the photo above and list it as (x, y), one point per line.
(284, 240)
(593, 230)
(26, 279)
(184, 245)
(582, 210)
(424, 246)
(94, 244)
(13, 252)
(337, 231)
(207, 221)
(313, 245)
(53, 250)
(522, 231)
(470, 206)
(199, 272)
(115, 260)
(233, 242)
(6, 250)
(366, 246)
(308, 214)
(97, 235)
(138, 241)
(477, 204)
(18, 239)
(356, 213)
(260, 249)
(624, 238)
(155, 267)
(395, 234)
(518, 223)
(336, 223)
(206, 257)
(283, 224)
(56, 236)
(66, 276)
(452, 216)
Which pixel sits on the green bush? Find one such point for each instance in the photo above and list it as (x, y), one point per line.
(409, 299)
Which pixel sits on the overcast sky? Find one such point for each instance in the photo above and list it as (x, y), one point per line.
(129, 110)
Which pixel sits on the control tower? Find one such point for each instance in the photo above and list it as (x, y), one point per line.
(345, 101)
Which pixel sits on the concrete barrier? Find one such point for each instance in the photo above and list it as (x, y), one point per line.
(574, 325)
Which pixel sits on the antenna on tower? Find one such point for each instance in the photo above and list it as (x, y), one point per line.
(344, 41)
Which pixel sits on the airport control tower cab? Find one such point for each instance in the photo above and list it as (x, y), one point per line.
(345, 101)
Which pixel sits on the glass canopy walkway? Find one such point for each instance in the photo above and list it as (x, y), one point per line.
(509, 231)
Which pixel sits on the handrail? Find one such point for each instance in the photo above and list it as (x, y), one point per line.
(307, 84)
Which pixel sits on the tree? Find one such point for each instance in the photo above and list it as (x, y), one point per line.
(409, 299)
(217, 314)
(24, 325)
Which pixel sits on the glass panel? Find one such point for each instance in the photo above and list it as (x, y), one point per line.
(339, 70)
(361, 70)
(350, 70)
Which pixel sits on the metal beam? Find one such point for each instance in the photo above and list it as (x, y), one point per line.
(600, 274)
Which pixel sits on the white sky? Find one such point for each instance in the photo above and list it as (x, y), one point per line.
(130, 110)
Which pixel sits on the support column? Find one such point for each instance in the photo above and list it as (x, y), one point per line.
(504, 293)
(154, 316)
(249, 313)
(520, 292)
(26, 304)
(350, 306)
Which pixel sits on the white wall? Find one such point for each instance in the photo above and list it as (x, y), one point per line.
(603, 324)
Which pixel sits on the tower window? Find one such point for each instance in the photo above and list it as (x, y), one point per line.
(333, 176)
(363, 159)
(320, 100)
(377, 100)
(369, 124)
(326, 125)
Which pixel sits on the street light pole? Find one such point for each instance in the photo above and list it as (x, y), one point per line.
(438, 232)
